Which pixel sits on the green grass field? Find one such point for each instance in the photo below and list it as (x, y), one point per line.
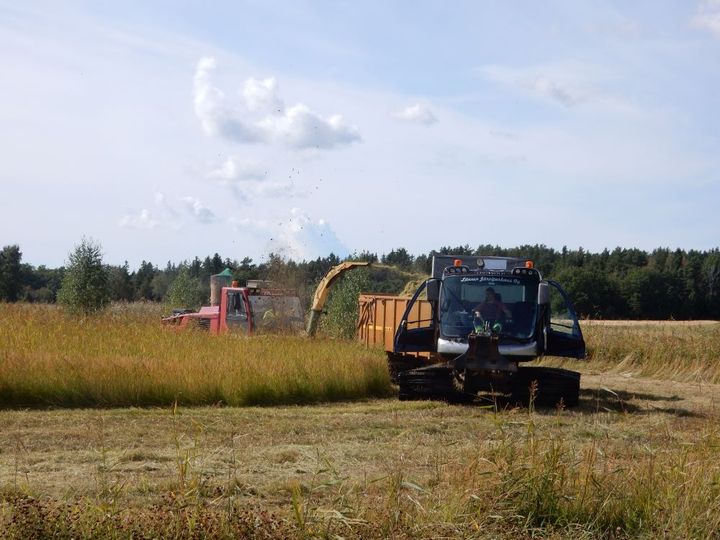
(639, 458)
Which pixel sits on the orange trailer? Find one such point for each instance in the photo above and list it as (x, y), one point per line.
(379, 317)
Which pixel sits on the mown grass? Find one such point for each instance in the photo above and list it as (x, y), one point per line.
(432, 471)
(126, 357)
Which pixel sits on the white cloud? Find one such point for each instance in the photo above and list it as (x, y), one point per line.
(565, 85)
(299, 128)
(274, 189)
(248, 191)
(237, 170)
(165, 208)
(296, 127)
(560, 92)
(261, 95)
(254, 227)
(419, 113)
(304, 238)
(199, 211)
(141, 220)
(215, 115)
(708, 16)
(299, 237)
(167, 216)
(247, 180)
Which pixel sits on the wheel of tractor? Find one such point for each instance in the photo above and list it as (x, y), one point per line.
(548, 387)
(433, 382)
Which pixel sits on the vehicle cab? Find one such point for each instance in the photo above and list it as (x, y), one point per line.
(258, 307)
(246, 310)
(503, 296)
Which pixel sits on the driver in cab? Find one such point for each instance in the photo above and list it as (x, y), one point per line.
(492, 308)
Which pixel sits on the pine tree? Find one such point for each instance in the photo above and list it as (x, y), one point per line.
(10, 285)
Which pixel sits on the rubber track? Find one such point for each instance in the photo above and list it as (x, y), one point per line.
(434, 382)
(398, 364)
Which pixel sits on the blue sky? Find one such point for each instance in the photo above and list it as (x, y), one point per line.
(170, 129)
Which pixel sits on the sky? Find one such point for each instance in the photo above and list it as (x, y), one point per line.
(170, 129)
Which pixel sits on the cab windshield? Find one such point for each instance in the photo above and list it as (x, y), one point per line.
(468, 303)
(277, 312)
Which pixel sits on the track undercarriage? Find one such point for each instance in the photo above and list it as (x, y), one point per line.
(483, 374)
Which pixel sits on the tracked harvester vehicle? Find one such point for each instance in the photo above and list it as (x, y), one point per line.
(487, 317)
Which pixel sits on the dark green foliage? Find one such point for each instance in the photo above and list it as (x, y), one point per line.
(616, 284)
(120, 283)
(400, 258)
(161, 283)
(10, 274)
(244, 271)
(143, 281)
(40, 284)
(365, 256)
(653, 294)
(185, 291)
(594, 293)
(385, 280)
(85, 285)
(342, 307)
(213, 265)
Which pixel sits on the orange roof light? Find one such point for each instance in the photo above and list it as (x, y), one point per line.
(457, 262)
(529, 264)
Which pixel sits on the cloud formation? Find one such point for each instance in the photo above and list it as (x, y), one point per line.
(167, 215)
(261, 95)
(166, 208)
(560, 85)
(140, 220)
(246, 180)
(234, 169)
(302, 238)
(299, 237)
(563, 94)
(199, 211)
(262, 116)
(215, 115)
(299, 127)
(708, 16)
(419, 113)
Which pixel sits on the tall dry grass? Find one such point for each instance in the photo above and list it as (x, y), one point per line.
(665, 351)
(126, 357)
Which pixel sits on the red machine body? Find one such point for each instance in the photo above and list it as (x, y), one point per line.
(245, 310)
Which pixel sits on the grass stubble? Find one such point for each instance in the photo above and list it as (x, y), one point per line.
(638, 458)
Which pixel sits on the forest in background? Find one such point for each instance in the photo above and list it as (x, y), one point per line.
(618, 284)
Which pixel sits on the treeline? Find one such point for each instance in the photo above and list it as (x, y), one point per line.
(23, 282)
(617, 284)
